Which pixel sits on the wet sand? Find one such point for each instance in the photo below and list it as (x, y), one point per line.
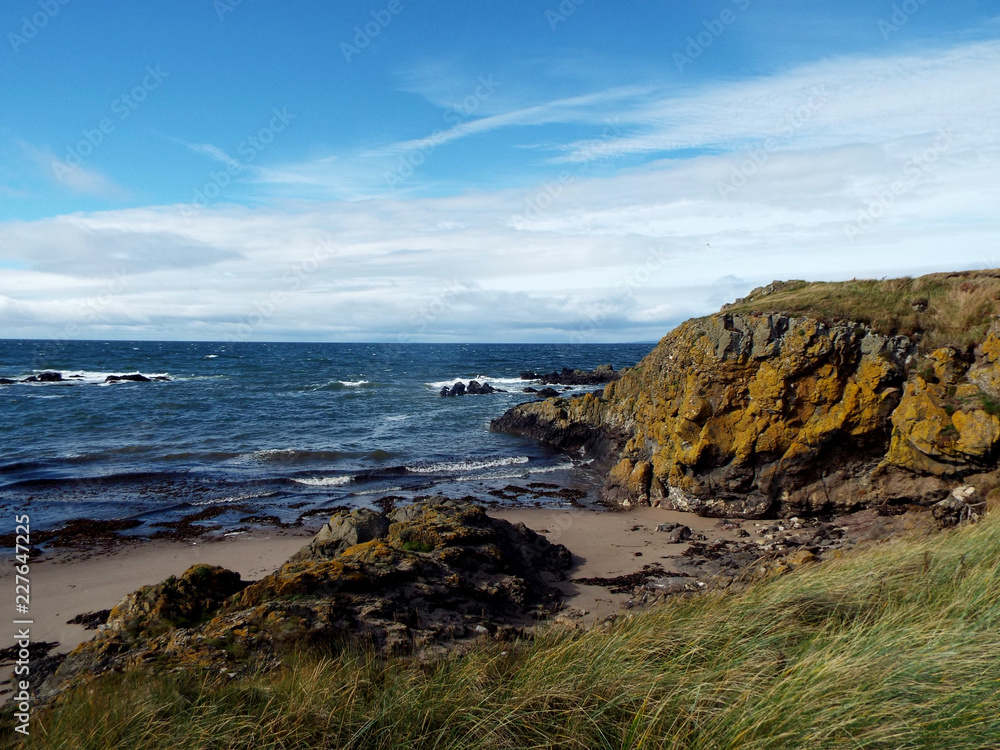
(605, 545)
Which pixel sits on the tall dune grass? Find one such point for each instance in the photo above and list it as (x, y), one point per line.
(893, 647)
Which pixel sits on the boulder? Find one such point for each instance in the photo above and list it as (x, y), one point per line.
(345, 529)
(433, 571)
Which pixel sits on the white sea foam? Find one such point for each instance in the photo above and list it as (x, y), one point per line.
(398, 417)
(91, 377)
(448, 467)
(352, 383)
(480, 378)
(325, 481)
(211, 356)
(378, 491)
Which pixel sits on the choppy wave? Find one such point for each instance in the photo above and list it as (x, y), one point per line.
(465, 465)
(294, 456)
(325, 481)
(337, 385)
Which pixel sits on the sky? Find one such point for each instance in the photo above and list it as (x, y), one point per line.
(578, 171)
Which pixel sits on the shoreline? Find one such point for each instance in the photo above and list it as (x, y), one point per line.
(604, 543)
(621, 558)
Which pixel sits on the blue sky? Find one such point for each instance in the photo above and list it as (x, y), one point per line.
(456, 171)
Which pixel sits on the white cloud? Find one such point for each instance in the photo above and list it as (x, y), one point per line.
(829, 103)
(862, 187)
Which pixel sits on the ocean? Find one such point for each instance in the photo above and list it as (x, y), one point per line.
(267, 433)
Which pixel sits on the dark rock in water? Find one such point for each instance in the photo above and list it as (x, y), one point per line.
(475, 388)
(530, 376)
(548, 392)
(8, 381)
(134, 378)
(436, 570)
(566, 376)
(456, 390)
(44, 377)
(529, 389)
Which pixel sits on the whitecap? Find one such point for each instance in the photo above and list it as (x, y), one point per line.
(480, 378)
(471, 464)
(325, 481)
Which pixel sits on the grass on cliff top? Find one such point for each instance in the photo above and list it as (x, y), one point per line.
(944, 309)
(894, 647)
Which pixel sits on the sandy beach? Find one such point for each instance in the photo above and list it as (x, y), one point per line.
(66, 584)
(604, 544)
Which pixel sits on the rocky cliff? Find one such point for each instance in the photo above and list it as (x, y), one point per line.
(753, 413)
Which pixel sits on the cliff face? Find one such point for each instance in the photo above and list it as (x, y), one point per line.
(758, 414)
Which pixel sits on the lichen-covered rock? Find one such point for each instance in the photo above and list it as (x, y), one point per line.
(345, 529)
(435, 570)
(177, 602)
(740, 415)
(756, 414)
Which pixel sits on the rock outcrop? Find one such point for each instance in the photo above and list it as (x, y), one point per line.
(474, 388)
(598, 376)
(756, 414)
(433, 571)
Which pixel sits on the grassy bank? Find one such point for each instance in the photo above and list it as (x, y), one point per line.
(893, 647)
(953, 309)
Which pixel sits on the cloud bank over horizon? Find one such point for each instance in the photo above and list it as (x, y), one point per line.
(610, 213)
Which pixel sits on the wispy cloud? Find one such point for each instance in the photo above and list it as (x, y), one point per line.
(584, 109)
(869, 100)
(77, 178)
